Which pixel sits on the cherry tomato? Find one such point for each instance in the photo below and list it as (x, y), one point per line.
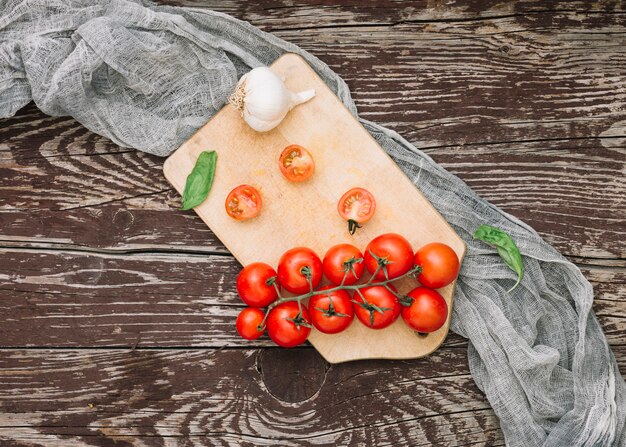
(394, 250)
(340, 259)
(286, 326)
(254, 285)
(244, 202)
(380, 308)
(356, 206)
(296, 163)
(440, 265)
(332, 313)
(295, 265)
(249, 323)
(427, 312)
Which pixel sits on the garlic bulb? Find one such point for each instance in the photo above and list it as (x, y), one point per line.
(264, 100)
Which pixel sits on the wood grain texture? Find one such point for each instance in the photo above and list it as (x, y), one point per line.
(93, 397)
(220, 397)
(523, 100)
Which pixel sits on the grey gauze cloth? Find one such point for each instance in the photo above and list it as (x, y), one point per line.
(148, 76)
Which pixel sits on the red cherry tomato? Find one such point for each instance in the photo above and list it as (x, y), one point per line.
(249, 323)
(254, 285)
(296, 163)
(380, 308)
(340, 259)
(440, 265)
(395, 250)
(244, 202)
(356, 206)
(331, 313)
(428, 310)
(295, 265)
(286, 326)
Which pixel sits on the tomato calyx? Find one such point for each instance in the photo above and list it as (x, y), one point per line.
(271, 281)
(371, 308)
(348, 266)
(415, 271)
(306, 272)
(406, 300)
(331, 311)
(353, 225)
(299, 321)
(383, 262)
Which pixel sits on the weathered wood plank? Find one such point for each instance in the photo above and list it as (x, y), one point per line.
(164, 300)
(328, 13)
(512, 71)
(207, 397)
(98, 397)
(64, 187)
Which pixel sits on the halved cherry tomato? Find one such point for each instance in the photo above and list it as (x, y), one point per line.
(244, 202)
(380, 307)
(331, 312)
(255, 285)
(296, 163)
(295, 266)
(343, 259)
(286, 326)
(356, 206)
(427, 311)
(249, 323)
(440, 265)
(395, 253)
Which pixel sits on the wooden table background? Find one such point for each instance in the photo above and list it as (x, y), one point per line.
(117, 310)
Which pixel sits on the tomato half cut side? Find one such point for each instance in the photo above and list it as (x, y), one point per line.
(244, 202)
(296, 163)
(356, 206)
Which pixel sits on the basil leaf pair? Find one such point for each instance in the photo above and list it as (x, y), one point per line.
(507, 249)
(199, 181)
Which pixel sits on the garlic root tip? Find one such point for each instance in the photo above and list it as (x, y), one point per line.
(236, 99)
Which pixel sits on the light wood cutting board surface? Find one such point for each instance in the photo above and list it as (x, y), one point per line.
(305, 214)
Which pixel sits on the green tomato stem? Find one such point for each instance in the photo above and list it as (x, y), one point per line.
(356, 288)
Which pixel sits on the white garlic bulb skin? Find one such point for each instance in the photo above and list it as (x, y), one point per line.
(264, 100)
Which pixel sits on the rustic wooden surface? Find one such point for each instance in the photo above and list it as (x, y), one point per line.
(117, 309)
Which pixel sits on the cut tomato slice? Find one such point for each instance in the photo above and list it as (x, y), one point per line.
(244, 202)
(356, 206)
(296, 163)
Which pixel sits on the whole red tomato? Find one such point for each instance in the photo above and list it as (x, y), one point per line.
(286, 326)
(340, 259)
(394, 250)
(440, 265)
(254, 285)
(295, 266)
(380, 307)
(331, 312)
(427, 312)
(249, 323)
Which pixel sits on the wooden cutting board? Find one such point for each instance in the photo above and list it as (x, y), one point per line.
(305, 214)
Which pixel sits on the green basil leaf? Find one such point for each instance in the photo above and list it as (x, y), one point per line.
(199, 181)
(506, 246)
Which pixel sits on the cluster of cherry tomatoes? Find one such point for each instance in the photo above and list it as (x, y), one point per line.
(332, 308)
